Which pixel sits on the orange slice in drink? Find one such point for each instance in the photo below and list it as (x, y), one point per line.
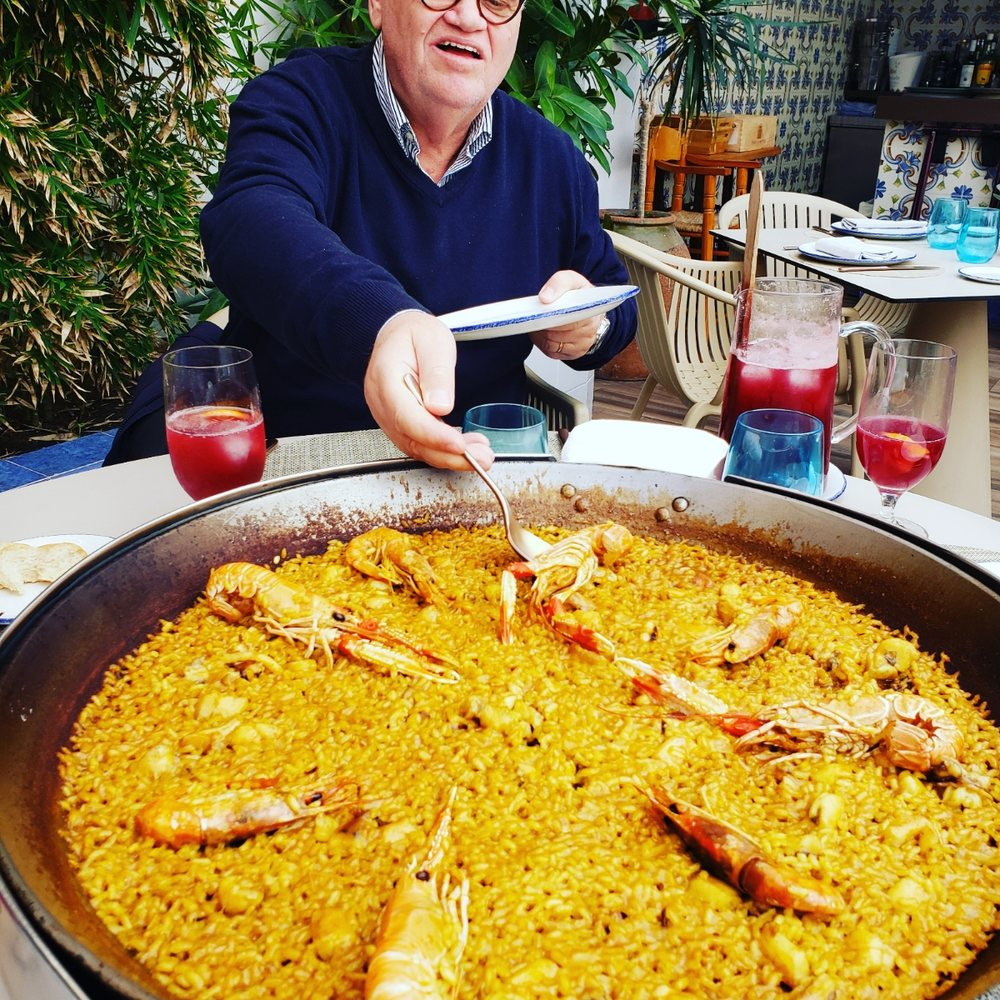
(225, 413)
(910, 450)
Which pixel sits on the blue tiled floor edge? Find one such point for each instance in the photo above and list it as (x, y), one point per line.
(60, 459)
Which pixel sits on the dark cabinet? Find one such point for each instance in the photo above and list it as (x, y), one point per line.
(851, 160)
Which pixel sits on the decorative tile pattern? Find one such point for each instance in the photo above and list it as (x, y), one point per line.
(807, 90)
(962, 172)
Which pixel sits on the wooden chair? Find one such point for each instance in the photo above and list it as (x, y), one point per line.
(788, 210)
(684, 340)
(667, 151)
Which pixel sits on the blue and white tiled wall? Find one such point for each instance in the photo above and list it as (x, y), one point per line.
(807, 90)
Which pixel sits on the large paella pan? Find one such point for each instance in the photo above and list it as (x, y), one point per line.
(54, 660)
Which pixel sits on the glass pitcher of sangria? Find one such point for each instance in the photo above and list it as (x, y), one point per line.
(785, 352)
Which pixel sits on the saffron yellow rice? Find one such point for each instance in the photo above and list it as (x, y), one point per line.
(576, 887)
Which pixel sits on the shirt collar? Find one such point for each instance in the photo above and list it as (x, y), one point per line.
(479, 134)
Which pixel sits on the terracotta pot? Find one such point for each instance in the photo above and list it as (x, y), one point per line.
(655, 229)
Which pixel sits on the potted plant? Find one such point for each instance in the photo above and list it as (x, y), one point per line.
(706, 48)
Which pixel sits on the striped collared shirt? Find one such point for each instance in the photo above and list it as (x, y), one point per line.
(480, 132)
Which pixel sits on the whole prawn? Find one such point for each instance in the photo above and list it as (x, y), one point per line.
(742, 862)
(424, 927)
(241, 590)
(235, 814)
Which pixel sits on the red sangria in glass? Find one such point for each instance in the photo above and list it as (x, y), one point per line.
(786, 351)
(903, 418)
(215, 429)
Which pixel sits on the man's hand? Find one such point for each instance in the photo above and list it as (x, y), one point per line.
(421, 344)
(564, 343)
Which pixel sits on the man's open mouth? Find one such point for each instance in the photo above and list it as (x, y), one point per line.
(461, 49)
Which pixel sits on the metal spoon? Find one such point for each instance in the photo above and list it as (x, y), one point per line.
(525, 543)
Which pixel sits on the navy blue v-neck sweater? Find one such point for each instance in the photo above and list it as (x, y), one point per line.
(321, 229)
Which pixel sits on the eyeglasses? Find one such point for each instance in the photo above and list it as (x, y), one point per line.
(494, 11)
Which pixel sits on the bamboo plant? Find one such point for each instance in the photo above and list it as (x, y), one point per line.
(112, 124)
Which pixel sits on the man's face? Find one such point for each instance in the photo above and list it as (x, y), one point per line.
(443, 60)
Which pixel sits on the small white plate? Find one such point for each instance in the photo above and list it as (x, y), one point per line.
(809, 250)
(525, 315)
(637, 444)
(981, 272)
(880, 234)
(11, 605)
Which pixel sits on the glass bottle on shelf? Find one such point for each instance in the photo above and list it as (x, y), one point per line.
(967, 70)
(986, 56)
(955, 64)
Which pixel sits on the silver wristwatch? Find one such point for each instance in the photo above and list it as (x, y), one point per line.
(602, 330)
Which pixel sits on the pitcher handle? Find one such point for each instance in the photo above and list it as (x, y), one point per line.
(848, 424)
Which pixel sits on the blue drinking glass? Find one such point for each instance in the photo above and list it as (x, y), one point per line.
(979, 236)
(511, 428)
(945, 223)
(781, 447)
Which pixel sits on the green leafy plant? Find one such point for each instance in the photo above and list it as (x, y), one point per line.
(711, 48)
(112, 125)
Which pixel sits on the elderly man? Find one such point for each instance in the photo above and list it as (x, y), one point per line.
(368, 190)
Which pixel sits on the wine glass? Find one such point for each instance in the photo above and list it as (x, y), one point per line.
(215, 429)
(903, 418)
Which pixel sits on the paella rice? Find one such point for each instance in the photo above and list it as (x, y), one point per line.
(543, 752)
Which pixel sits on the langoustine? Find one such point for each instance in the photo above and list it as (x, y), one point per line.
(238, 591)
(911, 732)
(424, 927)
(730, 854)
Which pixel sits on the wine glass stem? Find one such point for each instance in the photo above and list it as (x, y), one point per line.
(888, 501)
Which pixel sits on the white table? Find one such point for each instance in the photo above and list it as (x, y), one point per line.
(117, 499)
(950, 310)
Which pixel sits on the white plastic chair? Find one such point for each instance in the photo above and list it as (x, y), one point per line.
(562, 411)
(684, 342)
(788, 210)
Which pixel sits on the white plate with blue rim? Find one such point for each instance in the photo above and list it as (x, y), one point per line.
(981, 272)
(880, 232)
(809, 250)
(11, 604)
(528, 314)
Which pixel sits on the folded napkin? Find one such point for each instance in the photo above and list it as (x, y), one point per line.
(849, 248)
(883, 225)
(638, 445)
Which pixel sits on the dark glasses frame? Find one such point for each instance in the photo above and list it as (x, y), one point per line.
(489, 14)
